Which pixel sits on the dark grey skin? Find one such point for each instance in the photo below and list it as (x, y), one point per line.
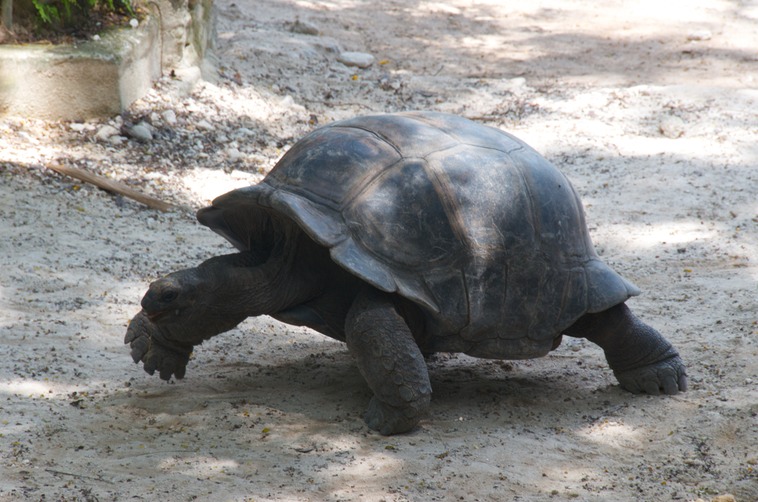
(308, 257)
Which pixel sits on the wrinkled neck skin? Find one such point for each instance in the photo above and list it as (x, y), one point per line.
(241, 284)
(224, 290)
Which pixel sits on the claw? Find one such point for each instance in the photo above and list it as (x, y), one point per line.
(149, 345)
(131, 335)
(664, 377)
(652, 388)
(683, 383)
(670, 386)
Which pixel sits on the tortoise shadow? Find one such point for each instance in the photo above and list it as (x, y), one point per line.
(321, 383)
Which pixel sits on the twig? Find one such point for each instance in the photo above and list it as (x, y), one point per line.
(80, 476)
(112, 186)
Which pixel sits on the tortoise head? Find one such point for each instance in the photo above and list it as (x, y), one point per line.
(178, 297)
(186, 307)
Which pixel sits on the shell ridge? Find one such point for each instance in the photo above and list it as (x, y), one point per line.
(369, 180)
(373, 133)
(443, 187)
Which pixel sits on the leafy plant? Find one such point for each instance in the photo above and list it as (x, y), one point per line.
(63, 16)
(68, 13)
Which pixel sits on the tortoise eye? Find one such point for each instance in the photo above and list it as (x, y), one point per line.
(169, 296)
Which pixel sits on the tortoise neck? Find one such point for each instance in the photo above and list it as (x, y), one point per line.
(250, 285)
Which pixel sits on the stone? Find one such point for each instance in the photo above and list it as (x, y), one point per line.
(727, 497)
(140, 132)
(672, 127)
(699, 35)
(234, 154)
(106, 132)
(169, 116)
(359, 59)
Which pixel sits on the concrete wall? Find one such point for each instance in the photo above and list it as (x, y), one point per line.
(102, 78)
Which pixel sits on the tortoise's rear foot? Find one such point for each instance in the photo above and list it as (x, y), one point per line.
(640, 357)
(663, 377)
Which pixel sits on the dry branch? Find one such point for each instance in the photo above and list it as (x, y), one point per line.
(111, 186)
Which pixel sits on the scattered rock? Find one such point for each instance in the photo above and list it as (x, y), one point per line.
(234, 154)
(359, 59)
(106, 132)
(169, 117)
(243, 132)
(288, 103)
(699, 35)
(140, 132)
(204, 125)
(672, 127)
(727, 497)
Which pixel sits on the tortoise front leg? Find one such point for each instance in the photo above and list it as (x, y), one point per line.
(150, 346)
(165, 348)
(641, 359)
(389, 359)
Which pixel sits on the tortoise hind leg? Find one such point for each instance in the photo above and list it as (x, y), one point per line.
(390, 361)
(641, 359)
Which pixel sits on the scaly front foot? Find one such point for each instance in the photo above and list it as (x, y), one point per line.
(150, 346)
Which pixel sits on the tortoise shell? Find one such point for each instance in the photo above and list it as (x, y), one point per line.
(471, 224)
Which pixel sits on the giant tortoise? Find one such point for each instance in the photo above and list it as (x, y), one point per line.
(405, 235)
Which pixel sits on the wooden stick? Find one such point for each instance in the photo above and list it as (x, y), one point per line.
(112, 186)
(80, 476)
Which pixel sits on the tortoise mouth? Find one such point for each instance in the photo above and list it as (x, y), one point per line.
(157, 315)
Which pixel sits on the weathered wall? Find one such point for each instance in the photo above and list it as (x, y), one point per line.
(102, 78)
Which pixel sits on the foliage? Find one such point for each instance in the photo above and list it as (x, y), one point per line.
(67, 14)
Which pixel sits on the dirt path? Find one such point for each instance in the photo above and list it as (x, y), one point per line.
(652, 111)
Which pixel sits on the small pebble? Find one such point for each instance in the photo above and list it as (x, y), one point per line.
(205, 125)
(727, 497)
(699, 35)
(106, 132)
(169, 116)
(359, 59)
(78, 127)
(672, 127)
(140, 132)
(148, 126)
(234, 154)
(243, 132)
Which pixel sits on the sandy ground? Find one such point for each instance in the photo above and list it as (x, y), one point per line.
(651, 108)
